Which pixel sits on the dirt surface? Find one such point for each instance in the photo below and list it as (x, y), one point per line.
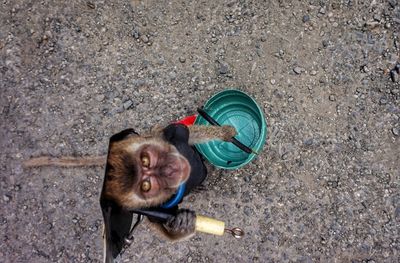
(324, 189)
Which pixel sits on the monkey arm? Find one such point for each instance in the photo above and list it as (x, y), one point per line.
(201, 133)
(177, 227)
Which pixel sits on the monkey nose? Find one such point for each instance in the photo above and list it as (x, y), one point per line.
(171, 169)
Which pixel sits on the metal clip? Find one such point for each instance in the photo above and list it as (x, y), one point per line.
(235, 232)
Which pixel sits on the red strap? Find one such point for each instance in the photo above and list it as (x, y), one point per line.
(188, 121)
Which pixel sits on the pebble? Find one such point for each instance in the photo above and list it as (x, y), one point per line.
(332, 97)
(383, 101)
(396, 131)
(127, 104)
(182, 59)
(394, 76)
(6, 198)
(365, 69)
(100, 97)
(313, 73)
(309, 142)
(135, 33)
(223, 68)
(306, 18)
(273, 81)
(298, 70)
(377, 17)
(90, 5)
(335, 6)
(145, 39)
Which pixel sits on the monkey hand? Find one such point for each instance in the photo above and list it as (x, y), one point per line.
(228, 132)
(182, 225)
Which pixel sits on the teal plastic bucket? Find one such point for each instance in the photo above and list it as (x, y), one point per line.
(236, 108)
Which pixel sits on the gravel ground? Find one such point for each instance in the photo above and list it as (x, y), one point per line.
(325, 188)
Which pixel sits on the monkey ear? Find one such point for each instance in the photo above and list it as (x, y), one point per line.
(117, 226)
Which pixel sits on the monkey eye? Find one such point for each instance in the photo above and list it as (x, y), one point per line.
(145, 161)
(146, 186)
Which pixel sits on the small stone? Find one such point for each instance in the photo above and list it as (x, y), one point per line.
(118, 109)
(332, 97)
(306, 18)
(127, 104)
(100, 97)
(273, 81)
(383, 101)
(371, 24)
(396, 131)
(145, 39)
(90, 5)
(377, 17)
(313, 73)
(387, 25)
(189, 259)
(223, 68)
(335, 6)
(135, 33)
(6, 198)
(322, 10)
(309, 142)
(182, 59)
(298, 70)
(394, 76)
(211, 87)
(290, 99)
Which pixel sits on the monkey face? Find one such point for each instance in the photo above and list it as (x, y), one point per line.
(144, 172)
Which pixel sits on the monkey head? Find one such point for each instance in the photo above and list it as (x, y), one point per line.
(143, 171)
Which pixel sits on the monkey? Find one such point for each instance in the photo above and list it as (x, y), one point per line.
(145, 171)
